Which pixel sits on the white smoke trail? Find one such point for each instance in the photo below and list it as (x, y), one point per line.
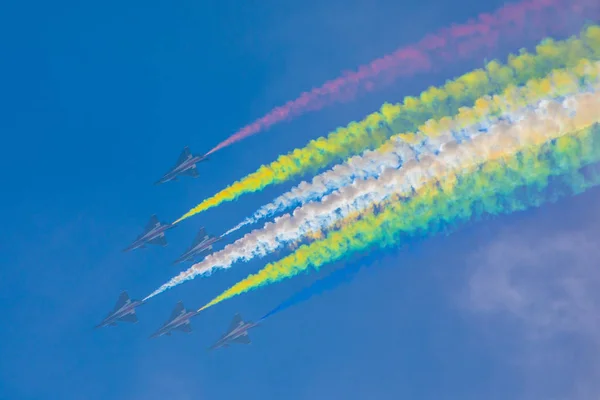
(391, 155)
(529, 126)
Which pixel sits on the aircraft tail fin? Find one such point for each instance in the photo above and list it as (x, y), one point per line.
(153, 223)
(237, 321)
(178, 310)
(185, 154)
(123, 299)
(200, 236)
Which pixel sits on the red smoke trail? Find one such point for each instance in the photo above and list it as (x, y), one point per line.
(448, 44)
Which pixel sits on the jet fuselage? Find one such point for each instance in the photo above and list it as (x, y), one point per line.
(184, 166)
(235, 333)
(128, 308)
(148, 236)
(200, 247)
(174, 323)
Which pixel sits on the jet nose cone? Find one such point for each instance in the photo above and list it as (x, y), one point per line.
(214, 346)
(156, 334)
(101, 325)
(132, 246)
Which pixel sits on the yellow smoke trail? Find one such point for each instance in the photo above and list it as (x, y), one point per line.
(435, 102)
(382, 228)
(395, 150)
(309, 222)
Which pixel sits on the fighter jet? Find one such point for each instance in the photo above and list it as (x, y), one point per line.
(238, 333)
(201, 243)
(186, 165)
(179, 320)
(124, 311)
(154, 233)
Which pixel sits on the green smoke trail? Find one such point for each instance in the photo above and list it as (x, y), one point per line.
(408, 116)
(509, 184)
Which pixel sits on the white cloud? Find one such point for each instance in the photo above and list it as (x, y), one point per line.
(541, 289)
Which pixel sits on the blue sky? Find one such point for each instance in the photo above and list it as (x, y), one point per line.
(97, 102)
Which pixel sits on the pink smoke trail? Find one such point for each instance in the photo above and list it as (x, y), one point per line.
(448, 44)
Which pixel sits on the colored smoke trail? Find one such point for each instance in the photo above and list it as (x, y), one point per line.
(327, 283)
(449, 44)
(492, 189)
(436, 102)
(551, 117)
(404, 146)
(347, 273)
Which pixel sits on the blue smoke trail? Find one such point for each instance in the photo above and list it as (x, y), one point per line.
(572, 183)
(331, 281)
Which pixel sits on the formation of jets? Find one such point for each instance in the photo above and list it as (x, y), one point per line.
(154, 234)
(124, 311)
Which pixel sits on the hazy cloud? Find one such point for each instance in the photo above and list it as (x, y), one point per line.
(541, 290)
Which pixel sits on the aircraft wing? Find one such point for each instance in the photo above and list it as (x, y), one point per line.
(123, 299)
(152, 223)
(191, 171)
(179, 308)
(129, 318)
(242, 339)
(200, 236)
(185, 154)
(237, 321)
(159, 240)
(187, 327)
